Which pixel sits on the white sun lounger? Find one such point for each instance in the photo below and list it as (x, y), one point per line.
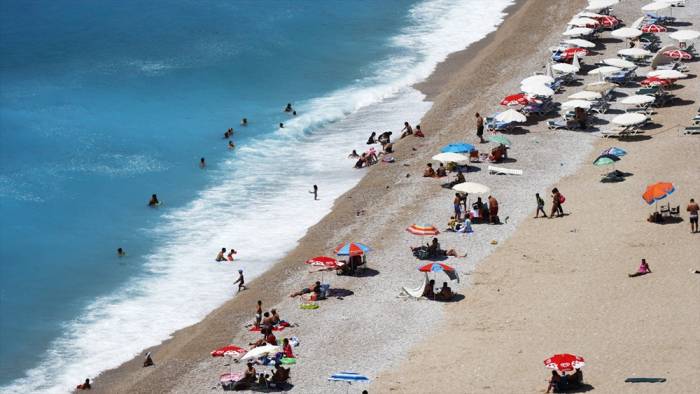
(415, 293)
(504, 171)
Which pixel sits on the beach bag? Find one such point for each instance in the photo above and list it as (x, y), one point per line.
(562, 199)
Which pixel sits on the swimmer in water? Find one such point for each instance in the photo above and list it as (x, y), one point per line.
(288, 108)
(121, 252)
(220, 256)
(244, 122)
(154, 201)
(294, 113)
(230, 254)
(202, 163)
(231, 145)
(353, 155)
(281, 125)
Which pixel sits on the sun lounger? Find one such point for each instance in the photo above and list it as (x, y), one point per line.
(417, 293)
(559, 124)
(615, 132)
(504, 171)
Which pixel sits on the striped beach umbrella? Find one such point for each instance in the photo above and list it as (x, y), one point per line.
(351, 249)
(425, 229)
(439, 267)
(658, 191)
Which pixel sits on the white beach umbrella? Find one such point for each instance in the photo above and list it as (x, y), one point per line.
(667, 74)
(261, 351)
(637, 24)
(587, 14)
(637, 99)
(605, 70)
(634, 52)
(685, 35)
(575, 62)
(537, 90)
(450, 157)
(564, 68)
(599, 87)
(615, 62)
(510, 115)
(586, 95)
(471, 188)
(537, 79)
(578, 31)
(576, 104)
(629, 119)
(596, 5)
(579, 42)
(656, 6)
(626, 32)
(582, 22)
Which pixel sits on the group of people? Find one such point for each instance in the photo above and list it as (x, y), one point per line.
(481, 211)
(222, 256)
(371, 157)
(561, 383)
(430, 172)
(558, 200)
(444, 294)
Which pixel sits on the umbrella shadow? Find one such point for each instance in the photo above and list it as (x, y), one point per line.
(652, 126)
(582, 388)
(517, 130)
(681, 102)
(634, 138)
(508, 160)
(456, 298)
(340, 293)
(609, 40)
(671, 220)
(679, 23)
(366, 272)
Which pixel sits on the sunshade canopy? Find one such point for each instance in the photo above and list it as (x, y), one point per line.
(629, 119)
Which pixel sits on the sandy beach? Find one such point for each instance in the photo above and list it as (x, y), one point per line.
(543, 287)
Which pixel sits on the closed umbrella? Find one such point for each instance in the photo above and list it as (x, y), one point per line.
(637, 99)
(459, 147)
(579, 42)
(656, 6)
(451, 157)
(471, 188)
(634, 52)
(585, 95)
(629, 119)
(535, 79)
(666, 74)
(615, 62)
(510, 116)
(685, 35)
(537, 90)
(565, 68)
(626, 32)
(576, 104)
(604, 70)
(499, 139)
(578, 31)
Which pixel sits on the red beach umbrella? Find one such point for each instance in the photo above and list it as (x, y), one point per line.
(435, 267)
(657, 191)
(608, 21)
(564, 362)
(678, 54)
(576, 51)
(323, 262)
(351, 249)
(656, 81)
(423, 230)
(515, 99)
(229, 350)
(653, 28)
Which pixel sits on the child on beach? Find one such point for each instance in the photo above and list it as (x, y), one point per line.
(230, 254)
(240, 281)
(642, 270)
(429, 172)
(407, 130)
(220, 256)
(418, 132)
(258, 314)
(540, 206)
(84, 386)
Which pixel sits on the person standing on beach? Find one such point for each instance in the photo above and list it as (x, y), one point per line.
(493, 210)
(556, 204)
(457, 206)
(314, 192)
(540, 206)
(480, 127)
(240, 281)
(693, 209)
(258, 314)
(202, 163)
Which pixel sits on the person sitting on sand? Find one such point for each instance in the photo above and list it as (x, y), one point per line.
(153, 202)
(384, 138)
(268, 338)
(429, 172)
(361, 161)
(353, 155)
(445, 293)
(576, 378)
(249, 374)
(418, 132)
(274, 317)
(465, 227)
(84, 386)
(452, 224)
(388, 148)
(429, 290)
(642, 270)
(220, 256)
(287, 348)
(459, 178)
(266, 321)
(407, 130)
(554, 382)
(280, 375)
(314, 288)
(433, 248)
(441, 171)
(148, 361)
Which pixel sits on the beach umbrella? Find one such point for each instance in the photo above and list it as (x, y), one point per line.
(574, 61)
(656, 6)
(229, 350)
(658, 191)
(626, 32)
(458, 147)
(666, 74)
(510, 116)
(323, 262)
(587, 14)
(537, 90)
(614, 151)
(608, 21)
(515, 99)
(351, 249)
(564, 68)
(604, 70)
(439, 267)
(615, 62)
(570, 52)
(260, 351)
(637, 99)
(653, 28)
(655, 81)
(450, 157)
(586, 95)
(629, 119)
(471, 188)
(416, 229)
(576, 104)
(604, 160)
(596, 5)
(535, 79)
(579, 42)
(677, 54)
(685, 35)
(564, 362)
(634, 52)
(578, 31)
(599, 87)
(499, 139)
(583, 22)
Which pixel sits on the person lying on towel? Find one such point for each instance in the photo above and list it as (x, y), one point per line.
(315, 288)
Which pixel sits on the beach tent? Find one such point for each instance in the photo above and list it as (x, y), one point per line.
(564, 362)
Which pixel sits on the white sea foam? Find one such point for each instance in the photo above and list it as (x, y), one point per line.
(261, 206)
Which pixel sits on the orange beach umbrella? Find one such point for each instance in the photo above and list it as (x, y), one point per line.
(418, 229)
(657, 191)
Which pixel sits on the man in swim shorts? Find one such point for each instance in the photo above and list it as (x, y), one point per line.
(693, 209)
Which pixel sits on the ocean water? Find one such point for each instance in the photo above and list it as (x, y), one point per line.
(104, 103)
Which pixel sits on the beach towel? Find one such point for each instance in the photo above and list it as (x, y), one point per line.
(288, 361)
(308, 306)
(645, 380)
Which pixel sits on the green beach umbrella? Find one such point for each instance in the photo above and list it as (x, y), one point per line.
(605, 160)
(500, 139)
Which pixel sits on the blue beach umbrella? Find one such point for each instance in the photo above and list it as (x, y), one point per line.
(613, 151)
(351, 249)
(459, 147)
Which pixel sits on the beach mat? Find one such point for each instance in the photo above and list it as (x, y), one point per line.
(645, 380)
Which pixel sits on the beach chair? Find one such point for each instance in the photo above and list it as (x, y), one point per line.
(417, 293)
(559, 124)
(613, 132)
(504, 171)
(690, 130)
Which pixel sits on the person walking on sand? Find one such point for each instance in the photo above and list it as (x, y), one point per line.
(557, 200)
(540, 206)
(240, 281)
(314, 192)
(480, 127)
(693, 209)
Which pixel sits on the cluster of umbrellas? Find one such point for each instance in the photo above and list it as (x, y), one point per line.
(609, 156)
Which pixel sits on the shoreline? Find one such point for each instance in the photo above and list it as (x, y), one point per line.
(182, 354)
